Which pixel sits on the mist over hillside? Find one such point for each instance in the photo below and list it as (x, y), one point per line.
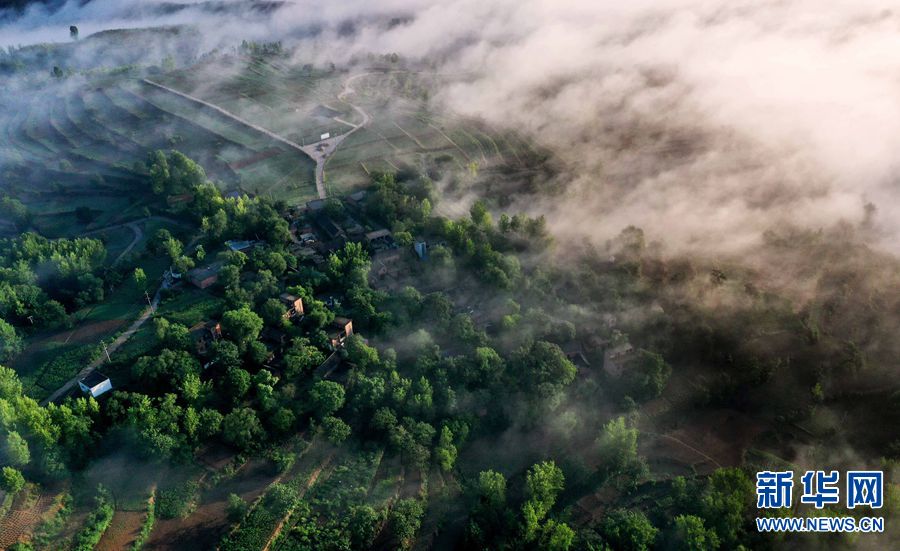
(398, 254)
(691, 119)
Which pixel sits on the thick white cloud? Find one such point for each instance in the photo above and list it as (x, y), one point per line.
(705, 122)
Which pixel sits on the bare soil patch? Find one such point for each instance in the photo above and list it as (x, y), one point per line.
(122, 531)
(205, 527)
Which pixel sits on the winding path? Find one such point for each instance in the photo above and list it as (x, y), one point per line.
(318, 151)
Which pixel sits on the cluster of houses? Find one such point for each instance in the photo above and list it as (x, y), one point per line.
(314, 234)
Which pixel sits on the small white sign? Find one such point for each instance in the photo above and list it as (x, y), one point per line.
(325, 136)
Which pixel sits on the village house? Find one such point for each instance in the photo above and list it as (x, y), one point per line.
(328, 227)
(381, 240)
(293, 305)
(240, 246)
(386, 253)
(356, 199)
(204, 334)
(315, 205)
(616, 358)
(95, 384)
(574, 352)
(341, 329)
(205, 276)
(353, 229)
(421, 249)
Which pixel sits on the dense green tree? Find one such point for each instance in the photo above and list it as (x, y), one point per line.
(542, 369)
(556, 536)
(242, 428)
(236, 507)
(405, 519)
(170, 367)
(229, 276)
(364, 526)
(485, 368)
(445, 453)
(543, 483)
(258, 353)
(16, 211)
(16, 449)
(237, 382)
(617, 445)
(349, 266)
(10, 342)
(647, 375)
(226, 354)
(628, 530)
(302, 357)
(282, 420)
(727, 497)
(492, 489)
(326, 397)
(480, 214)
(11, 480)
(691, 535)
(210, 423)
(242, 325)
(335, 429)
(173, 173)
(272, 312)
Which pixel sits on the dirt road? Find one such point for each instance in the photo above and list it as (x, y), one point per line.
(120, 340)
(318, 151)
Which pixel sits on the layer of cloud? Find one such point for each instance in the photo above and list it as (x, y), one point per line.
(705, 122)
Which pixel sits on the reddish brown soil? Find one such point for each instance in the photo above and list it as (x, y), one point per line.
(205, 527)
(89, 332)
(22, 518)
(122, 531)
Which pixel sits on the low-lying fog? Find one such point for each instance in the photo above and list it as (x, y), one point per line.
(704, 122)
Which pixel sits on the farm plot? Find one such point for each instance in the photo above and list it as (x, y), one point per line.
(282, 174)
(278, 99)
(123, 530)
(25, 513)
(49, 360)
(347, 485)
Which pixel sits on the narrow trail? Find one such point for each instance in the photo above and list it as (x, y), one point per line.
(120, 340)
(228, 114)
(686, 446)
(138, 235)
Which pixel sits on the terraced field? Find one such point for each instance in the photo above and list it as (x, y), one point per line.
(408, 134)
(302, 104)
(72, 143)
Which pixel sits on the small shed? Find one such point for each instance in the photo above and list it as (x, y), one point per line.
(95, 384)
(341, 328)
(206, 276)
(293, 305)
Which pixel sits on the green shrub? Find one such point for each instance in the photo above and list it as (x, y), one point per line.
(178, 502)
(97, 522)
(147, 526)
(12, 480)
(47, 531)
